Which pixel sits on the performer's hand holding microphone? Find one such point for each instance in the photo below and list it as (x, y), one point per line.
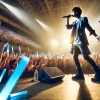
(68, 16)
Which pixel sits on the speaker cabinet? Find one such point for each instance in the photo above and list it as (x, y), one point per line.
(50, 74)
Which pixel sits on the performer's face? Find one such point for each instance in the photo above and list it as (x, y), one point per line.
(75, 13)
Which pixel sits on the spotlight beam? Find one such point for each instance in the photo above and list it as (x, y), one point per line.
(44, 26)
(23, 17)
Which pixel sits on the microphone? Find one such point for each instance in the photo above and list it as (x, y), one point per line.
(68, 16)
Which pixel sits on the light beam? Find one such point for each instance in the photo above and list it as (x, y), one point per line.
(44, 26)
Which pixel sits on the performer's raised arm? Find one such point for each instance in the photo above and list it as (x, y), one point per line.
(69, 26)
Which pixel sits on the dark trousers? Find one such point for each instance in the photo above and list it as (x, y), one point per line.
(86, 57)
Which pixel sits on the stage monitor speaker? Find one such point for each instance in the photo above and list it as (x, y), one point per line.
(50, 74)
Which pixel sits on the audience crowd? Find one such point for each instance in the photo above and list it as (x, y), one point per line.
(15, 38)
(9, 61)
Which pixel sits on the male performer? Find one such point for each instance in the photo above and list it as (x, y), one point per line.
(80, 43)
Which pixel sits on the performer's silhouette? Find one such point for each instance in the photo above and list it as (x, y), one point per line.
(80, 43)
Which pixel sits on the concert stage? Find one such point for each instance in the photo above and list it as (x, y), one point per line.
(65, 90)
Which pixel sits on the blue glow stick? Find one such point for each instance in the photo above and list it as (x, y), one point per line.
(19, 95)
(8, 49)
(2, 74)
(8, 87)
(6, 44)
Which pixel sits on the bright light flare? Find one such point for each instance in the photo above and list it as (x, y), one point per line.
(54, 43)
(1, 1)
(65, 42)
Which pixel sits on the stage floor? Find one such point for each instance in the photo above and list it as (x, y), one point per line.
(65, 90)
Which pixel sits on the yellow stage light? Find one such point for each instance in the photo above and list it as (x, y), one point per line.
(54, 43)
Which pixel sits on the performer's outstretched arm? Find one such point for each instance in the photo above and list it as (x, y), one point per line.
(92, 32)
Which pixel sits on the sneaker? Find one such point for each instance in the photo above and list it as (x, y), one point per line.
(96, 77)
(78, 77)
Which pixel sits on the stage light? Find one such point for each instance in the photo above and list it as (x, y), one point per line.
(65, 42)
(25, 18)
(54, 43)
(0, 1)
(44, 26)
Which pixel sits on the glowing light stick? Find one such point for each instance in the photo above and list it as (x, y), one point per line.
(10, 84)
(2, 74)
(6, 44)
